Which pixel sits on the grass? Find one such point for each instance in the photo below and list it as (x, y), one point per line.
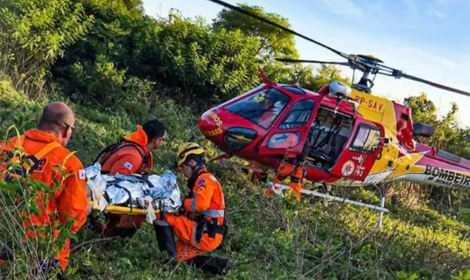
(268, 238)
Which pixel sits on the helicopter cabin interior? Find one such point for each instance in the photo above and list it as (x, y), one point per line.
(328, 135)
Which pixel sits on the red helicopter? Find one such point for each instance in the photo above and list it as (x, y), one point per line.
(357, 139)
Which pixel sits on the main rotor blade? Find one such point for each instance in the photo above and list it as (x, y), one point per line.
(312, 61)
(398, 74)
(436, 84)
(344, 55)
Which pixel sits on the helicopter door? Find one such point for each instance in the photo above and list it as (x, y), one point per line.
(366, 144)
(290, 132)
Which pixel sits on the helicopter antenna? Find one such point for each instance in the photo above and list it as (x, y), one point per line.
(368, 64)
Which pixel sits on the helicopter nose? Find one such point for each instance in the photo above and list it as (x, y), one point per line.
(210, 124)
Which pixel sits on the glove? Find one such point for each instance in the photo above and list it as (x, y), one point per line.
(180, 211)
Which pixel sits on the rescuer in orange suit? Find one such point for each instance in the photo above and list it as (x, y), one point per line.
(255, 177)
(48, 142)
(131, 156)
(291, 166)
(200, 224)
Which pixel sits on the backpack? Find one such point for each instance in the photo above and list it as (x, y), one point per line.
(28, 164)
(107, 152)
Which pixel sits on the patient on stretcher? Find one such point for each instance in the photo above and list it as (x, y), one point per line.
(133, 191)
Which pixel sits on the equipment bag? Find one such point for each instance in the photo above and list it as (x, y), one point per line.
(28, 164)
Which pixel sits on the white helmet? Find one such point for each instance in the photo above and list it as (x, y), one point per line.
(338, 88)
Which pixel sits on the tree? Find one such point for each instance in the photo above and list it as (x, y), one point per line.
(325, 75)
(446, 129)
(422, 109)
(186, 55)
(274, 41)
(34, 34)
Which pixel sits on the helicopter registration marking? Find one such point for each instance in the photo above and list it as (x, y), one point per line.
(371, 104)
(216, 119)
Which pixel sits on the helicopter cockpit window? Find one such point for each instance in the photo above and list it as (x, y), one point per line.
(261, 108)
(367, 139)
(298, 115)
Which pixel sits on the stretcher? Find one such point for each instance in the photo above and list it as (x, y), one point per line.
(132, 194)
(115, 209)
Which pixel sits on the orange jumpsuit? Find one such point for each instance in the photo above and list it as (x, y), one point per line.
(126, 161)
(255, 176)
(207, 198)
(69, 201)
(292, 166)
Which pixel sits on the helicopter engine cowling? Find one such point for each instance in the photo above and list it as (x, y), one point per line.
(339, 89)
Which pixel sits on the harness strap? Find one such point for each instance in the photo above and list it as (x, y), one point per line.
(111, 149)
(36, 157)
(145, 157)
(48, 148)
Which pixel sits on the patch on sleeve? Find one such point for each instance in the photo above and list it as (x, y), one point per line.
(81, 174)
(213, 178)
(201, 184)
(128, 165)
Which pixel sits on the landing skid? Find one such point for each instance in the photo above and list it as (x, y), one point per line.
(278, 188)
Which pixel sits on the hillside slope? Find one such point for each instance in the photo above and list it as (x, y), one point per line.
(269, 238)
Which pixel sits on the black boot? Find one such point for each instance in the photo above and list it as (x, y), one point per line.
(165, 239)
(62, 275)
(124, 232)
(214, 265)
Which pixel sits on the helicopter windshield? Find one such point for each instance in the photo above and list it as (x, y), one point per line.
(262, 108)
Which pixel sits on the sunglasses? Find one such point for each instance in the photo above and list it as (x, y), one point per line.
(66, 125)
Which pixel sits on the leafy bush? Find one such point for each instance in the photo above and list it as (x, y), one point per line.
(35, 33)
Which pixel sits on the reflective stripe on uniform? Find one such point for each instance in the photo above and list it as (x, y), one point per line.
(295, 180)
(195, 225)
(161, 223)
(214, 213)
(193, 203)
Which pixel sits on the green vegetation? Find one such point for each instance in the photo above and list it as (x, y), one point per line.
(117, 67)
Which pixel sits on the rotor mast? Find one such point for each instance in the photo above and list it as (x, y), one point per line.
(369, 66)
